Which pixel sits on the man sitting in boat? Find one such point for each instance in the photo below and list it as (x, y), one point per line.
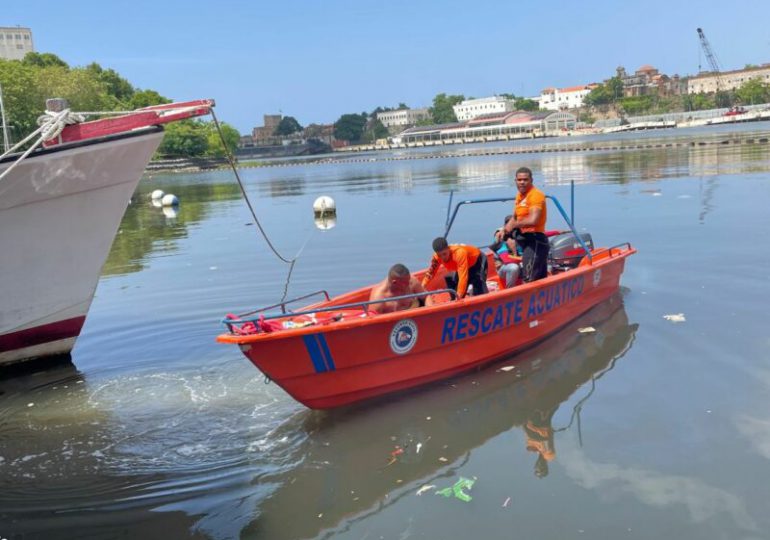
(528, 227)
(506, 257)
(399, 282)
(466, 264)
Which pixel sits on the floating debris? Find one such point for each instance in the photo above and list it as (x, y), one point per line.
(457, 490)
(505, 504)
(423, 489)
(587, 330)
(675, 317)
(507, 368)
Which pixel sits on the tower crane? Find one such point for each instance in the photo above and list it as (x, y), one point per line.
(711, 57)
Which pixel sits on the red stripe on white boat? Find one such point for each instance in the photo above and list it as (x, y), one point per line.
(41, 334)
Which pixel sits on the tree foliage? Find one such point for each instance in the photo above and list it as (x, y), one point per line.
(43, 60)
(214, 141)
(609, 91)
(442, 112)
(525, 104)
(287, 126)
(350, 127)
(146, 98)
(184, 139)
(753, 91)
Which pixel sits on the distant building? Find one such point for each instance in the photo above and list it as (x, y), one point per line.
(558, 99)
(15, 42)
(471, 108)
(320, 132)
(706, 83)
(402, 118)
(647, 80)
(264, 135)
(495, 126)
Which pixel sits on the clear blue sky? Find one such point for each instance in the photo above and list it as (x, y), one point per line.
(316, 60)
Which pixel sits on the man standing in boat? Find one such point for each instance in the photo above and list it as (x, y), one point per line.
(468, 266)
(399, 282)
(528, 227)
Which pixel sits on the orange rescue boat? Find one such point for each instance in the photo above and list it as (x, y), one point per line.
(336, 351)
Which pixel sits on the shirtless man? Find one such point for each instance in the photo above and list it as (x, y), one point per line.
(398, 283)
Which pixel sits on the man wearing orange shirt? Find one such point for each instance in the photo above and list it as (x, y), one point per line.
(468, 266)
(529, 218)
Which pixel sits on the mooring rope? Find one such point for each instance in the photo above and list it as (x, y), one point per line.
(231, 162)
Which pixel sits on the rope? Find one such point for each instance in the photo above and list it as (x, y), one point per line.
(51, 125)
(231, 162)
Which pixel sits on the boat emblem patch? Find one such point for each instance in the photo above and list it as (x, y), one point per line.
(597, 277)
(403, 336)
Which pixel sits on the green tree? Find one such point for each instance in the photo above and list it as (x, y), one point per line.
(753, 91)
(637, 104)
(20, 97)
(609, 91)
(525, 104)
(442, 112)
(214, 142)
(187, 138)
(350, 127)
(146, 98)
(287, 126)
(697, 102)
(43, 60)
(117, 86)
(374, 130)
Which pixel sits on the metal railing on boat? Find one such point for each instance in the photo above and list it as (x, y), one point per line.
(567, 219)
(351, 305)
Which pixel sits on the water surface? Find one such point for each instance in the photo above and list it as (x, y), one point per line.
(643, 429)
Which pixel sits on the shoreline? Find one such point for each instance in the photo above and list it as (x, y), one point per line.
(651, 138)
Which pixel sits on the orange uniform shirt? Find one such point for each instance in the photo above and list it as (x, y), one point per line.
(533, 199)
(461, 259)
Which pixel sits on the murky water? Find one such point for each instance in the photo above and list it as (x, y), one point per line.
(643, 429)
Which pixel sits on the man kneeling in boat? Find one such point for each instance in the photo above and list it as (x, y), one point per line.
(466, 264)
(398, 283)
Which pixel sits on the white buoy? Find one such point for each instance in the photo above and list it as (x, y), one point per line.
(157, 194)
(169, 199)
(325, 222)
(156, 203)
(324, 206)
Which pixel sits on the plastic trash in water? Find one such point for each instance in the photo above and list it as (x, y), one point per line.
(587, 330)
(457, 490)
(675, 317)
(423, 489)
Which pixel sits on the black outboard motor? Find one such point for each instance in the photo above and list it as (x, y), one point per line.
(566, 252)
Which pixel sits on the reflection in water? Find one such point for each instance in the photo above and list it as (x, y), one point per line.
(148, 226)
(703, 502)
(341, 468)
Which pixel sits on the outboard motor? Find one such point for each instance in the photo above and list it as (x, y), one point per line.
(566, 252)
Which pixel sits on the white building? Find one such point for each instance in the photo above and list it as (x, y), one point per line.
(471, 108)
(728, 80)
(403, 117)
(15, 42)
(557, 99)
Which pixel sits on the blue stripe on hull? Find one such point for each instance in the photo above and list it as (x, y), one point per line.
(326, 352)
(315, 353)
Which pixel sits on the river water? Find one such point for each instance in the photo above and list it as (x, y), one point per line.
(646, 428)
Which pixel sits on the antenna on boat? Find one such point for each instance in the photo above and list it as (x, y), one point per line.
(449, 208)
(6, 141)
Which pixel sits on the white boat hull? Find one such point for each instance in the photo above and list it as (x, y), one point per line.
(59, 212)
